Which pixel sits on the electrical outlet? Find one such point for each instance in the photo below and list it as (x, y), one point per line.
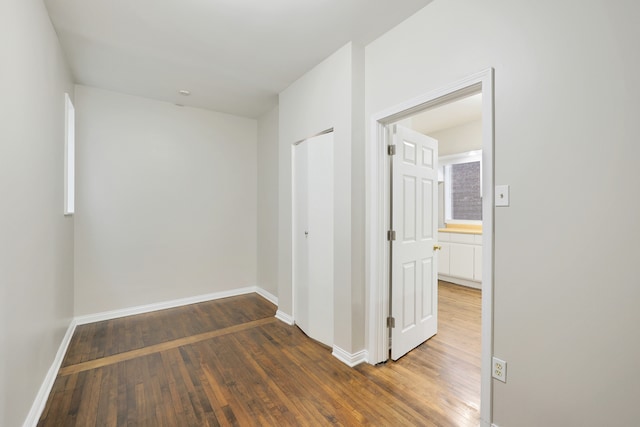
(499, 370)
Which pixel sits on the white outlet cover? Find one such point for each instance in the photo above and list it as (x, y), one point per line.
(499, 369)
(502, 195)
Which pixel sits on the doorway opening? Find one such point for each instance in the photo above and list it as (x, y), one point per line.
(379, 258)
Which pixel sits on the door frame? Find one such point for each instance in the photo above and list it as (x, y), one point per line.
(377, 219)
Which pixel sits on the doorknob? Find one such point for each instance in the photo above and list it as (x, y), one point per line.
(306, 234)
(437, 247)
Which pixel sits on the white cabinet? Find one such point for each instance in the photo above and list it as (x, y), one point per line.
(443, 258)
(443, 254)
(468, 239)
(460, 260)
(477, 263)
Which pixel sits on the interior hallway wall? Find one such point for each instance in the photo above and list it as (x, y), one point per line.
(166, 201)
(566, 142)
(268, 201)
(36, 243)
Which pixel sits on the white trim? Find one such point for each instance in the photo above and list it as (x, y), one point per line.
(377, 256)
(349, 359)
(488, 211)
(45, 389)
(286, 318)
(147, 308)
(376, 219)
(462, 282)
(267, 295)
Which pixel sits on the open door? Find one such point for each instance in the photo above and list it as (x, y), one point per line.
(414, 212)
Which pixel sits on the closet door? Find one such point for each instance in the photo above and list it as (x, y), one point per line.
(300, 237)
(313, 237)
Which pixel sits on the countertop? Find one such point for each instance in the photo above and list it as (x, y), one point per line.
(462, 229)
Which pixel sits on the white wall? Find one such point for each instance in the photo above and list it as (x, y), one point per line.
(166, 201)
(459, 139)
(268, 201)
(566, 283)
(36, 243)
(329, 96)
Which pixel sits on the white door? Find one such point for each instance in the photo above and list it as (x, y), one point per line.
(414, 284)
(300, 233)
(313, 237)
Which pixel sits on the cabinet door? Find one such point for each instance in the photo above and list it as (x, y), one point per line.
(468, 239)
(477, 263)
(461, 261)
(443, 258)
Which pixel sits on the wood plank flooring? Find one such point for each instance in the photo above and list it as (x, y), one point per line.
(231, 363)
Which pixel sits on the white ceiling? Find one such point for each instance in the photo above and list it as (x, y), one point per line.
(456, 113)
(234, 56)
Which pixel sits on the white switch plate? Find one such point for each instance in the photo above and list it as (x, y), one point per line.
(502, 195)
(499, 370)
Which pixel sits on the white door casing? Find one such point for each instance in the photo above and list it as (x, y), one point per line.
(313, 237)
(414, 283)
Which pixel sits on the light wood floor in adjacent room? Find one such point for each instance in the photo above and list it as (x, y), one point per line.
(230, 362)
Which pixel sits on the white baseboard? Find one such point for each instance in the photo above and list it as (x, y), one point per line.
(286, 318)
(349, 359)
(147, 308)
(463, 282)
(267, 295)
(45, 389)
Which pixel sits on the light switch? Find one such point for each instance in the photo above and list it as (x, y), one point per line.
(502, 195)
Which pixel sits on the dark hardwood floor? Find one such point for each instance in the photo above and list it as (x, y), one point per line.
(230, 362)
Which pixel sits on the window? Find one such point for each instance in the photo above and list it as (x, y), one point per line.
(69, 155)
(462, 187)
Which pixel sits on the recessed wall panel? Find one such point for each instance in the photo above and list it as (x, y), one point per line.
(426, 309)
(409, 205)
(426, 213)
(427, 157)
(409, 152)
(409, 283)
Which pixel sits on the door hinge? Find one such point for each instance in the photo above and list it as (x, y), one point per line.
(391, 235)
(391, 150)
(391, 322)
